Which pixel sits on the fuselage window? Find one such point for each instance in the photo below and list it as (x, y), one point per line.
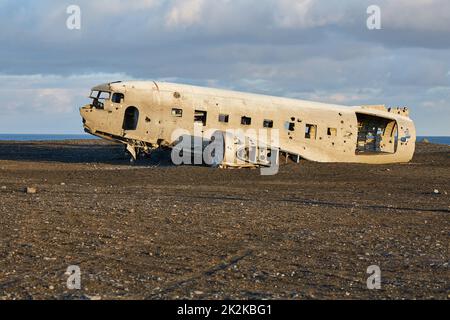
(332, 132)
(118, 98)
(246, 121)
(200, 117)
(177, 112)
(268, 123)
(224, 118)
(289, 126)
(310, 131)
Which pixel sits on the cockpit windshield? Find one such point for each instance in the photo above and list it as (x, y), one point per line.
(101, 95)
(98, 97)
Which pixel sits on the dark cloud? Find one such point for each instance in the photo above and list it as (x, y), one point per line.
(309, 49)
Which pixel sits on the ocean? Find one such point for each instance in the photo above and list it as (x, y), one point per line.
(45, 137)
(438, 140)
(54, 137)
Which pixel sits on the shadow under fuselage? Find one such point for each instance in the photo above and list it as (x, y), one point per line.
(75, 152)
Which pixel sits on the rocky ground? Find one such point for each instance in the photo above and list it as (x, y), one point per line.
(155, 231)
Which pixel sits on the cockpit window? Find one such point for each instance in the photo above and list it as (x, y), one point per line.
(94, 94)
(98, 97)
(101, 95)
(104, 95)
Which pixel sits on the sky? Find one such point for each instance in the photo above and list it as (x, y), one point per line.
(307, 49)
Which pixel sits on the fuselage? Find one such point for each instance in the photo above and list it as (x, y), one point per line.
(148, 113)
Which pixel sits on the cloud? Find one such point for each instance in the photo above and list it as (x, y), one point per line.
(46, 103)
(185, 13)
(309, 49)
(306, 14)
(418, 15)
(119, 7)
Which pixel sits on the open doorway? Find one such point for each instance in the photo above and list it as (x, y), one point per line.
(376, 134)
(131, 118)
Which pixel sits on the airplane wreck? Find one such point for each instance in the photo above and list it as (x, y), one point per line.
(143, 115)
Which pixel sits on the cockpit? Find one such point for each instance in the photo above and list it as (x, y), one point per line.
(99, 98)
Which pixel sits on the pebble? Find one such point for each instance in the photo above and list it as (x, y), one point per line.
(31, 190)
(436, 191)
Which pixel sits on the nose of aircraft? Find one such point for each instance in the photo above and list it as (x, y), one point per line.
(85, 113)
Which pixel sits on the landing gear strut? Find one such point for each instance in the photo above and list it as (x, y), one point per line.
(132, 151)
(137, 149)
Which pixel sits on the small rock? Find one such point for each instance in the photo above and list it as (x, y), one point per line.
(51, 287)
(3, 187)
(425, 140)
(31, 190)
(93, 298)
(198, 293)
(63, 184)
(436, 191)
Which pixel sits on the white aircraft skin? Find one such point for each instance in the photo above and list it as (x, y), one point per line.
(145, 114)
